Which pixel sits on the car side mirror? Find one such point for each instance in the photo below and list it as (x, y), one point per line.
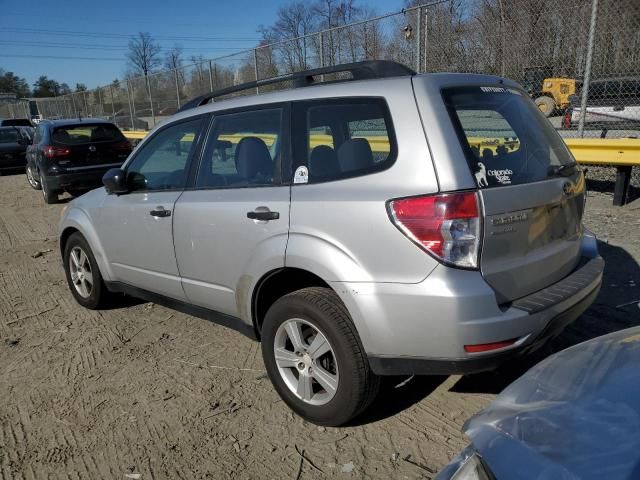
(115, 181)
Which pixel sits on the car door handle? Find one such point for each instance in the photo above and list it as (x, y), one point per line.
(263, 215)
(160, 212)
(618, 108)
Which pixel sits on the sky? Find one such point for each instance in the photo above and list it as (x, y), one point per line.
(86, 41)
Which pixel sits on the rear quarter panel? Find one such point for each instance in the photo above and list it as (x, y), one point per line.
(340, 230)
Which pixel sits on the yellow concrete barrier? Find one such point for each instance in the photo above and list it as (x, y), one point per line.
(604, 151)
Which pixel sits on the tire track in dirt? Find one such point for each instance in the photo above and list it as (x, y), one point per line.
(5, 238)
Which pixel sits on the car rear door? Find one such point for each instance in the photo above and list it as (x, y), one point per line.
(232, 227)
(136, 228)
(531, 190)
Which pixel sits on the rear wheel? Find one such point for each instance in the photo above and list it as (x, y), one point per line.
(315, 359)
(82, 272)
(546, 105)
(50, 196)
(32, 178)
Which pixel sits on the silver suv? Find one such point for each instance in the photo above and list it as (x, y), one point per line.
(387, 224)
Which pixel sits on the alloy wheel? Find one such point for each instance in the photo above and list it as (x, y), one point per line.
(306, 361)
(81, 274)
(31, 178)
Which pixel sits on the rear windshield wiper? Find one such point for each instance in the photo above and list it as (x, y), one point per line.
(565, 169)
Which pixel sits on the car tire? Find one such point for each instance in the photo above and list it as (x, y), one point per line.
(328, 382)
(546, 105)
(32, 178)
(50, 196)
(82, 272)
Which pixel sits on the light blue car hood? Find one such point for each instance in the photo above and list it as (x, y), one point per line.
(575, 415)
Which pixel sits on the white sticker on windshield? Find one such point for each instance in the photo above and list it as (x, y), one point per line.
(481, 175)
(503, 176)
(301, 175)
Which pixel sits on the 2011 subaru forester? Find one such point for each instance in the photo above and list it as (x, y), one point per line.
(391, 223)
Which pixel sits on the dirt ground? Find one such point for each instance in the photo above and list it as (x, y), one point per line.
(140, 391)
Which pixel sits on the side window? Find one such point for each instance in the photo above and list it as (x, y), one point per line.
(630, 89)
(244, 149)
(375, 132)
(344, 138)
(597, 91)
(161, 163)
(613, 89)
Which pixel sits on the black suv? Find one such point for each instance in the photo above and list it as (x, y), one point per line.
(612, 104)
(73, 155)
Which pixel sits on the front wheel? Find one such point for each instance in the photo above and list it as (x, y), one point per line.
(546, 105)
(315, 359)
(82, 272)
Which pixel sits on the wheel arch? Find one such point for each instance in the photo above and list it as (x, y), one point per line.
(77, 221)
(276, 284)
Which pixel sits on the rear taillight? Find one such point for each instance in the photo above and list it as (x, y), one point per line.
(447, 225)
(55, 152)
(566, 118)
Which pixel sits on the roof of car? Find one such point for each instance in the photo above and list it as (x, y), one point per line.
(352, 88)
(76, 121)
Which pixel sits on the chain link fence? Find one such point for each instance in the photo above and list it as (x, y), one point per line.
(578, 59)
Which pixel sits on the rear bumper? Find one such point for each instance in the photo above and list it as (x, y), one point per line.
(88, 178)
(427, 366)
(423, 328)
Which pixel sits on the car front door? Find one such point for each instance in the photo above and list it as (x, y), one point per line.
(137, 228)
(233, 225)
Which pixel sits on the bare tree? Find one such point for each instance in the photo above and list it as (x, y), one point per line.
(294, 20)
(173, 61)
(326, 11)
(373, 42)
(347, 13)
(173, 58)
(144, 53)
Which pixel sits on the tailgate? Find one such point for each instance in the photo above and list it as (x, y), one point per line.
(531, 189)
(92, 145)
(532, 235)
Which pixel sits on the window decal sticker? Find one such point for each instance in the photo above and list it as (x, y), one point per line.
(481, 175)
(301, 175)
(502, 176)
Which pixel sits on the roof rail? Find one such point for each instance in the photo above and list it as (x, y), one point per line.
(359, 71)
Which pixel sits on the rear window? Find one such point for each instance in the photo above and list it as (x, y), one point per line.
(9, 135)
(506, 140)
(17, 122)
(79, 134)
